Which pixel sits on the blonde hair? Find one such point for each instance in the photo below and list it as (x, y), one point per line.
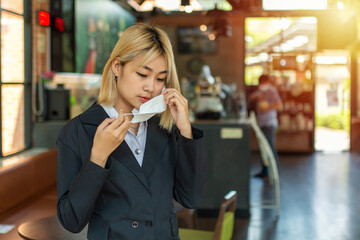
(146, 42)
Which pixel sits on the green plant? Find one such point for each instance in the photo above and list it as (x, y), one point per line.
(334, 120)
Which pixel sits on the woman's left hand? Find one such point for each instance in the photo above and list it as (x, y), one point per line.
(178, 105)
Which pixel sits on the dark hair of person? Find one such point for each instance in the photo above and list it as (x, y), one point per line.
(264, 79)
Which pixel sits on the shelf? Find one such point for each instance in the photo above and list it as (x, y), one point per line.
(295, 113)
(294, 131)
(289, 141)
(297, 92)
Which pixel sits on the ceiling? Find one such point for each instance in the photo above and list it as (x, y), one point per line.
(182, 5)
(299, 36)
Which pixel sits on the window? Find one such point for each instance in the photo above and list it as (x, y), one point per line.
(14, 85)
(294, 4)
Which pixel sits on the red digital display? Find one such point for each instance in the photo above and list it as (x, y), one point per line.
(44, 18)
(59, 24)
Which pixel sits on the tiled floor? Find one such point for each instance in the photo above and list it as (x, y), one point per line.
(320, 200)
(327, 139)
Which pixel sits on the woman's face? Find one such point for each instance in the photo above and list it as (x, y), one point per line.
(138, 85)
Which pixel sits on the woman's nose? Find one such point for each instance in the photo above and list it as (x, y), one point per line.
(149, 85)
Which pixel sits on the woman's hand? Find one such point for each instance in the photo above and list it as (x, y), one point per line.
(256, 96)
(178, 105)
(109, 135)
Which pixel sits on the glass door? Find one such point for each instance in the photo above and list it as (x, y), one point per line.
(332, 101)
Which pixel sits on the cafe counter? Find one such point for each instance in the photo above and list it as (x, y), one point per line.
(229, 155)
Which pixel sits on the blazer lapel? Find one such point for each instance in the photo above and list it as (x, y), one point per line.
(92, 117)
(156, 142)
(126, 157)
(95, 115)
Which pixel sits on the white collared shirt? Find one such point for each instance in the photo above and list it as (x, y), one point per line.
(135, 143)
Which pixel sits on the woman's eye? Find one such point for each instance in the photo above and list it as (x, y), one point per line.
(161, 79)
(141, 75)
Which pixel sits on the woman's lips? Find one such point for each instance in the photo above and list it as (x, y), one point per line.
(144, 99)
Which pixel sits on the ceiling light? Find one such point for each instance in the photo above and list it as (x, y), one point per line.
(330, 60)
(203, 27)
(248, 39)
(188, 9)
(264, 56)
(177, 5)
(276, 49)
(300, 59)
(167, 5)
(212, 37)
(196, 5)
(340, 5)
(252, 60)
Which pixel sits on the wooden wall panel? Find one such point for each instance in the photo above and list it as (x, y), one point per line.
(22, 181)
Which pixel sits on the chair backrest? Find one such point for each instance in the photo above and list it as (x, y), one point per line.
(266, 153)
(225, 222)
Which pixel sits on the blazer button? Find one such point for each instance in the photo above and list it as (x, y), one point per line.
(134, 224)
(149, 223)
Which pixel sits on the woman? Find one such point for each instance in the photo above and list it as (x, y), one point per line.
(120, 177)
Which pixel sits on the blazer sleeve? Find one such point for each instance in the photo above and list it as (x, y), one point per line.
(191, 169)
(79, 181)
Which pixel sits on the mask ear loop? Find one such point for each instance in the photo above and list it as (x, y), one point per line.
(163, 89)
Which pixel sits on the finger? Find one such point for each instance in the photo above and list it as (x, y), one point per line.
(121, 115)
(128, 117)
(105, 123)
(175, 102)
(175, 95)
(123, 127)
(169, 90)
(116, 123)
(173, 91)
(166, 91)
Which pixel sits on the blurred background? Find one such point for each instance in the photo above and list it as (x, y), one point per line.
(53, 53)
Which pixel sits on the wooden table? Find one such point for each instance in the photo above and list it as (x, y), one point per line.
(48, 228)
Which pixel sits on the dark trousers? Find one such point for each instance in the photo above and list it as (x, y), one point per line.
(270, 134)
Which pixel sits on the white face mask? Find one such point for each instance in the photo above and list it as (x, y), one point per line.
(264, 87)
(147, 110)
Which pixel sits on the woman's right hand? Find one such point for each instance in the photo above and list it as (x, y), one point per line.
(109, 135)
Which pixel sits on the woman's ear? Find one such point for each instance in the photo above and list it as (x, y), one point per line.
(116, 67)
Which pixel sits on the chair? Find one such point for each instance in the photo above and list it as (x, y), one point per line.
(224, 225)
(185, 216)
(268, 159)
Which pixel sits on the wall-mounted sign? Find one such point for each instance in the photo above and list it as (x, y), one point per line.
(59, 24)
(43, 18)
(231, 133)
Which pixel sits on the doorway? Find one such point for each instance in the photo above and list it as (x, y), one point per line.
(332, 101)
(283, 48)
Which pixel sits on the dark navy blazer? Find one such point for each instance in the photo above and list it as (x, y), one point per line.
(124, 200)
